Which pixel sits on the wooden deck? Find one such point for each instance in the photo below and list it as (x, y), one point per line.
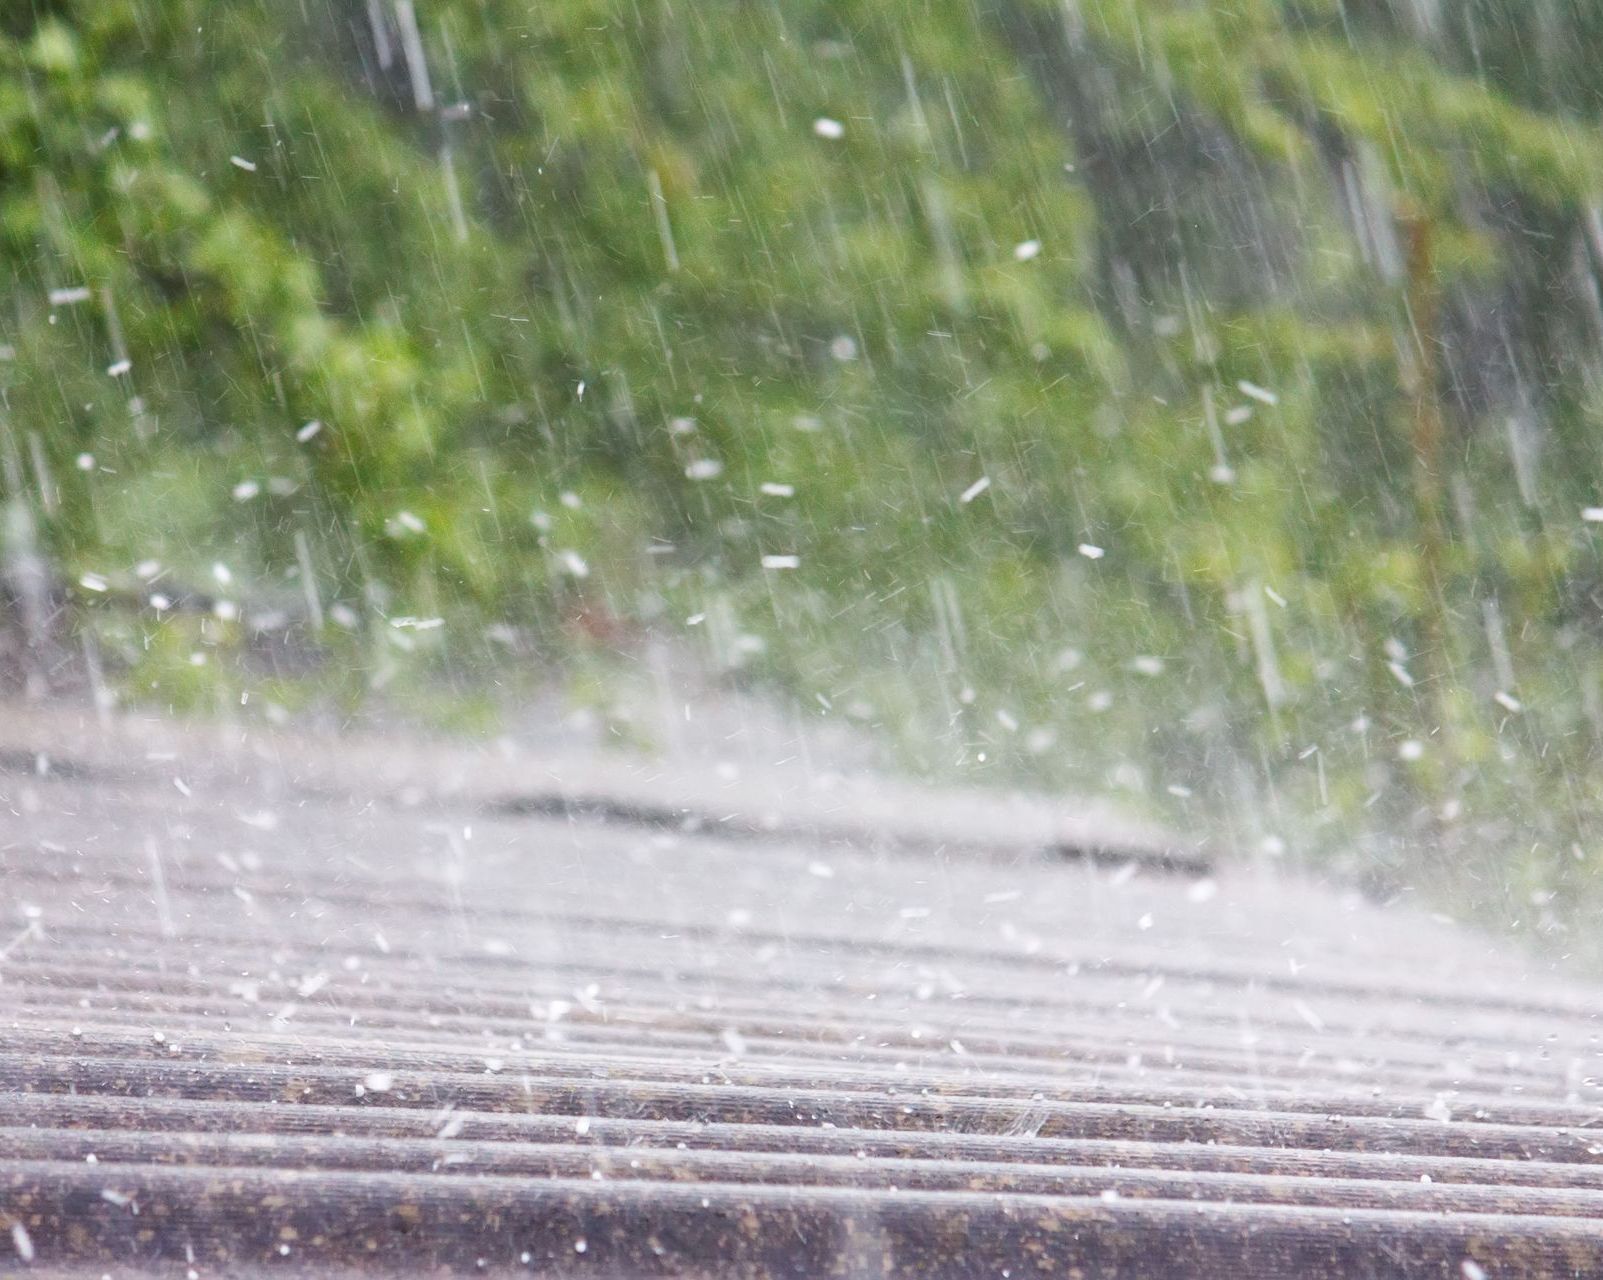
(308, 1008)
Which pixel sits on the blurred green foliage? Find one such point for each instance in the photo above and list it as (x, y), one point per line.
(505, 314)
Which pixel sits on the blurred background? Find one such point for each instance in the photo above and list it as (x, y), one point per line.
(1197, 403)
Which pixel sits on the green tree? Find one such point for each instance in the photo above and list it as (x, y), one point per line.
(1084, 357)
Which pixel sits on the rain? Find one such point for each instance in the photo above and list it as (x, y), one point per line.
(814, 553)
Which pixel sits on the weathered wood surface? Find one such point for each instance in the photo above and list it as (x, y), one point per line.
(299, 1007)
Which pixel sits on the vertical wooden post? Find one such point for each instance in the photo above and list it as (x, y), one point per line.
(1420, 375)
